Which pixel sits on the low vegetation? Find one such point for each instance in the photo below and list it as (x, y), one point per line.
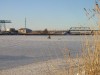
(89, 61)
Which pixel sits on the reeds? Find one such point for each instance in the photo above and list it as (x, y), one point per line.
(89, 61)
(91, 56)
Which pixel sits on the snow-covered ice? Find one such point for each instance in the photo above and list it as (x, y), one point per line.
(29, 52)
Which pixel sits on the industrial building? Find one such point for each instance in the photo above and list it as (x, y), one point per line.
(24, 31)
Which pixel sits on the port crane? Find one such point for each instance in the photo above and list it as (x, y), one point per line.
(3, 24)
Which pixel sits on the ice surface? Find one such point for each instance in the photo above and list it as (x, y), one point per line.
(18, 51)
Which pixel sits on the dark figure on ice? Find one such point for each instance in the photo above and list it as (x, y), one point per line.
(49, 37)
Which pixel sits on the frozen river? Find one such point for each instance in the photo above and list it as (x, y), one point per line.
(23, 50)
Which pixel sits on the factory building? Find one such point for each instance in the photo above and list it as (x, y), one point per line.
(24, 30)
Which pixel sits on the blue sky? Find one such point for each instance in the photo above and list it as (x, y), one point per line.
(41, 14)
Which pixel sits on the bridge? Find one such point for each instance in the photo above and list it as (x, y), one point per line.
(80, 30)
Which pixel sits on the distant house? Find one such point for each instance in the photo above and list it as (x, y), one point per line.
(24, 30)
(45, 31)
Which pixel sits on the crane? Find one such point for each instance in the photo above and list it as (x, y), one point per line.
(3, 22)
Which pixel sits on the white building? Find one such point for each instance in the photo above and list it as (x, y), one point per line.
(24, 30)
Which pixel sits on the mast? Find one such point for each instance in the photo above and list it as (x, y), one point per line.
(25, 22)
